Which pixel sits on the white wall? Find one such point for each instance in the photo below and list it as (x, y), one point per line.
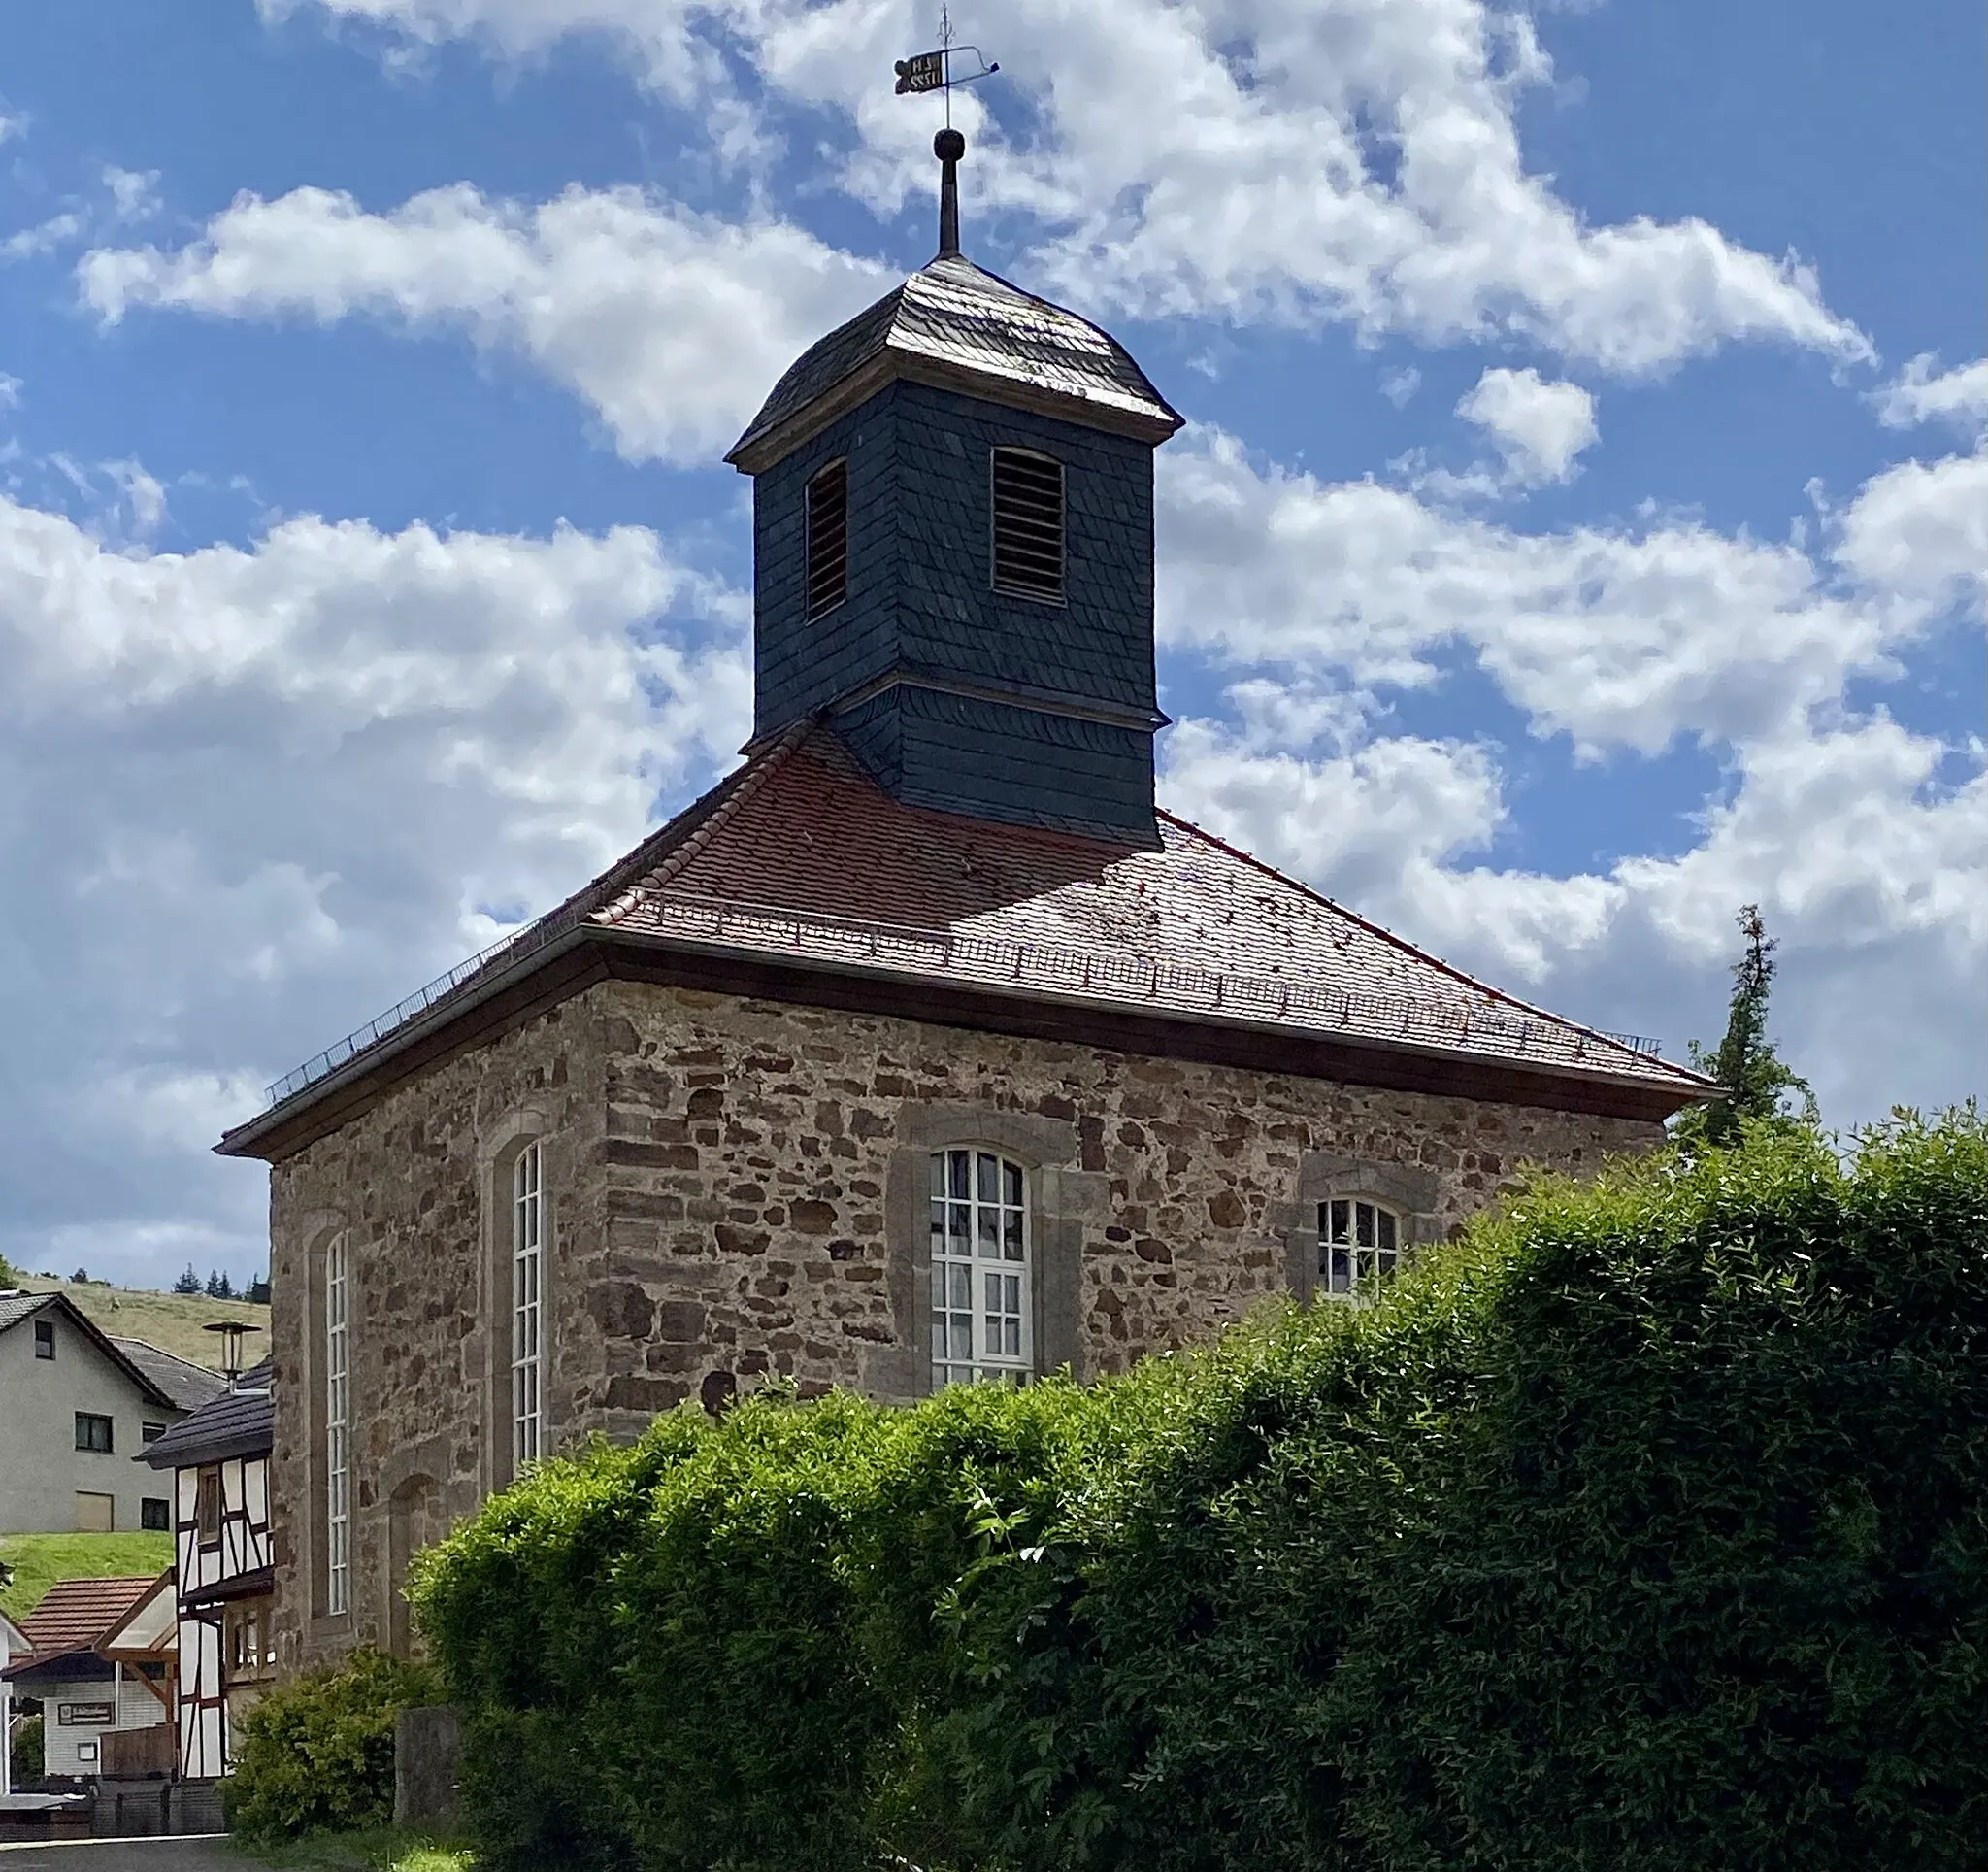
(137, 1709)
(41, 1468)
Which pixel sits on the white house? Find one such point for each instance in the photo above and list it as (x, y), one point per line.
(86, 1695)
(73, 1404)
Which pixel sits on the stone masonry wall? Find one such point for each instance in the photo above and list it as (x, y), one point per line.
(410, 1183)
(737, 1190)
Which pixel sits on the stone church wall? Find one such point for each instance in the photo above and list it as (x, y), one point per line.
(738, 1189)
(414, 1183)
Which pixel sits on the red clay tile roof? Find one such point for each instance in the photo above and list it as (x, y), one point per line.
(805, 855)
(75, 1613)
(799, 854)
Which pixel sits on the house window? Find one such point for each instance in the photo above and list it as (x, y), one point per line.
(245, 1627)
(151, 1432)
(527, 1342)
(155, 1515)
(337, 1526)
(981, 1325)
(207, 1507)
(1358, 1245)
(828, 539)
(93, 1432)
(45, 1338)
(1028, 524)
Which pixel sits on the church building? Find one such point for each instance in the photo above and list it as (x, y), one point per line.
(924, 1048)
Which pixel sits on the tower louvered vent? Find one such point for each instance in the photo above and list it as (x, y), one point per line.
(1028, 524)
(828, 539)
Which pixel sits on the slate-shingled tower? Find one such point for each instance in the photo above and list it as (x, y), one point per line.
(954, 550)
(921, 1049)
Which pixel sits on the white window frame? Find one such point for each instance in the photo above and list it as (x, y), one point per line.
(1360, 1246)
(983, 1265)
(527, 1307)
(338, 1404)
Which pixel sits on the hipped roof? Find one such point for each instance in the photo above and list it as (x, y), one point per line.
(957, 324)
(801, 868)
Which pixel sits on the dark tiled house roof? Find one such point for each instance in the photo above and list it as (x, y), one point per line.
(187, 1385)
(241, 1423)
(15, 1307)
(799, 858)
(148, 1372)
(953, 318)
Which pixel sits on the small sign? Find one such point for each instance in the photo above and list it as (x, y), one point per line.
(78, 1715)
(921, 72)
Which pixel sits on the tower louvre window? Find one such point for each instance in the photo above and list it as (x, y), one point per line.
(1028, 524)
(828, 539)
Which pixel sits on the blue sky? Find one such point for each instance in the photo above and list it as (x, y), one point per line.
(1579, 531)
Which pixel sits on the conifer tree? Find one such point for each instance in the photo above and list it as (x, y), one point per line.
(213, 1284)
(187, 1283)
(1752, 1075)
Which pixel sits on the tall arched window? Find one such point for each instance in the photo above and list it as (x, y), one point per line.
(338, 1412)
(983, 1308)
(527, 1287)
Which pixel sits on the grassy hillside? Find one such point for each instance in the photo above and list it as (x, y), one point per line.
(39, 1560)
(170, 1322)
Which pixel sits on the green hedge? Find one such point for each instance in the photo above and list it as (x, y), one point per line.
(1645, 1528)
(316, 1754)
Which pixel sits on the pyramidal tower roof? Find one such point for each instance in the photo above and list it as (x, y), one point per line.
(956, 326)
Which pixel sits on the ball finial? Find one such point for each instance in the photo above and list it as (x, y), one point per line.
(948, 146)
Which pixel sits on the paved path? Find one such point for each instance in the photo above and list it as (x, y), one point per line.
(211, 1853)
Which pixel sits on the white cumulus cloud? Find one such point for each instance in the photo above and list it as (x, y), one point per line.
(252, 795)
(1922, 392)
(672, 326)
(1280, 159)
(1539, 427)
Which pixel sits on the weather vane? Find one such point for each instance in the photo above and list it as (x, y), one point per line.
(935, 71)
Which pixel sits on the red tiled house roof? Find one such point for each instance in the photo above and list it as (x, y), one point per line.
(799, 871)
(74, 1614)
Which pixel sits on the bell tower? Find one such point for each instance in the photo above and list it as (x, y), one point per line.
(953, 549)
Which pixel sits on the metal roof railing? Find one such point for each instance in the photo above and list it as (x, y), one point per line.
(1479, 1024)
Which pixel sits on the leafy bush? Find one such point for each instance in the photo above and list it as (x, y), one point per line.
(1644, 1527)
(29, 1760)
(317, 1753)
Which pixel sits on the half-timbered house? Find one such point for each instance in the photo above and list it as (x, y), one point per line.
(222, 1564)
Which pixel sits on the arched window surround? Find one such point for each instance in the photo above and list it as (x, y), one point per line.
(1408, 1191)
(1062, 1201)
